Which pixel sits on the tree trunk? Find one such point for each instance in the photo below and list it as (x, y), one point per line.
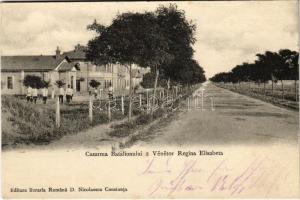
(296, 95)
(272, 87)
(155, 86)
(282, 91)
(130, 93)
(264, 88)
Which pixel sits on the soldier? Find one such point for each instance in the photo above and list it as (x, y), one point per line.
(61, 94)
(69, 94)
(34, 94)
(96, 92)
(29, 94)
(45, 94)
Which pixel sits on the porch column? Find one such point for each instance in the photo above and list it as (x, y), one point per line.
(74, 82)
(22, 79)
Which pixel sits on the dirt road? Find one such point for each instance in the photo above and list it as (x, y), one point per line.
(234, 119)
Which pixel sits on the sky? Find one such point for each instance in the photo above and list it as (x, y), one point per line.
(228, 32)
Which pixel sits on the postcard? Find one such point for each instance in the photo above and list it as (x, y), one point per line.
(146, 100)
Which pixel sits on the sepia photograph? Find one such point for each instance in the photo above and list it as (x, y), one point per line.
(144, 99)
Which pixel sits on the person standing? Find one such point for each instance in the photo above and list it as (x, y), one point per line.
(34, 94)
(69, 94)
(61, 94)
(45, 94)
(96, 92)
(52, 93)
(29, 94)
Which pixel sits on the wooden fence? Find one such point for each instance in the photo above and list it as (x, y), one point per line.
(143, 101)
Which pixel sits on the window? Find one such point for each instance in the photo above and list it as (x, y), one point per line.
(45, 76)
(10, 82)
(77, 66)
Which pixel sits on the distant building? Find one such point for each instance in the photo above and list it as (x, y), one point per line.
(49, 67)
(71, 67)
(115, 74)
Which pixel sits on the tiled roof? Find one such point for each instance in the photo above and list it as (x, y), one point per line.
(65, 66)
(30, 63)
(77, 54)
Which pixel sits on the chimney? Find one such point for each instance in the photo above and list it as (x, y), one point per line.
(77, 47)
(57, 53)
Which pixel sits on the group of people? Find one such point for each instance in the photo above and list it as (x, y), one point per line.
(68, 93)
(96, 91)
(32, 94)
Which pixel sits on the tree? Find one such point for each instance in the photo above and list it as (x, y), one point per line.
(191, 73)
(46, 84)
(280, 68)
(281, 65)
(94, 84)
(222, 77)
(180, 35)
(132, 38)
(292, 71)
(149, 80)
(268, 62)
(33, 81)
(60, 83)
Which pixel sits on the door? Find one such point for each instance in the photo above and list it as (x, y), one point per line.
(78, 85)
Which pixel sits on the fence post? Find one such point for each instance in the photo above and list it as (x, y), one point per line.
(57, 113)
(122, 104)
(176, 92)
(147, 99)
(150, 106)
(91, 109)
(188, 103)
(100, 93)
(108, 110)
(140, 100)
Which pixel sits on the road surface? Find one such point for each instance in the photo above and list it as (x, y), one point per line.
(236, 119)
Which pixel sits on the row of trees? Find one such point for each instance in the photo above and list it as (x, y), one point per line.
(34, 81)
(37, 82)
(161, 40)
(270, 66)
